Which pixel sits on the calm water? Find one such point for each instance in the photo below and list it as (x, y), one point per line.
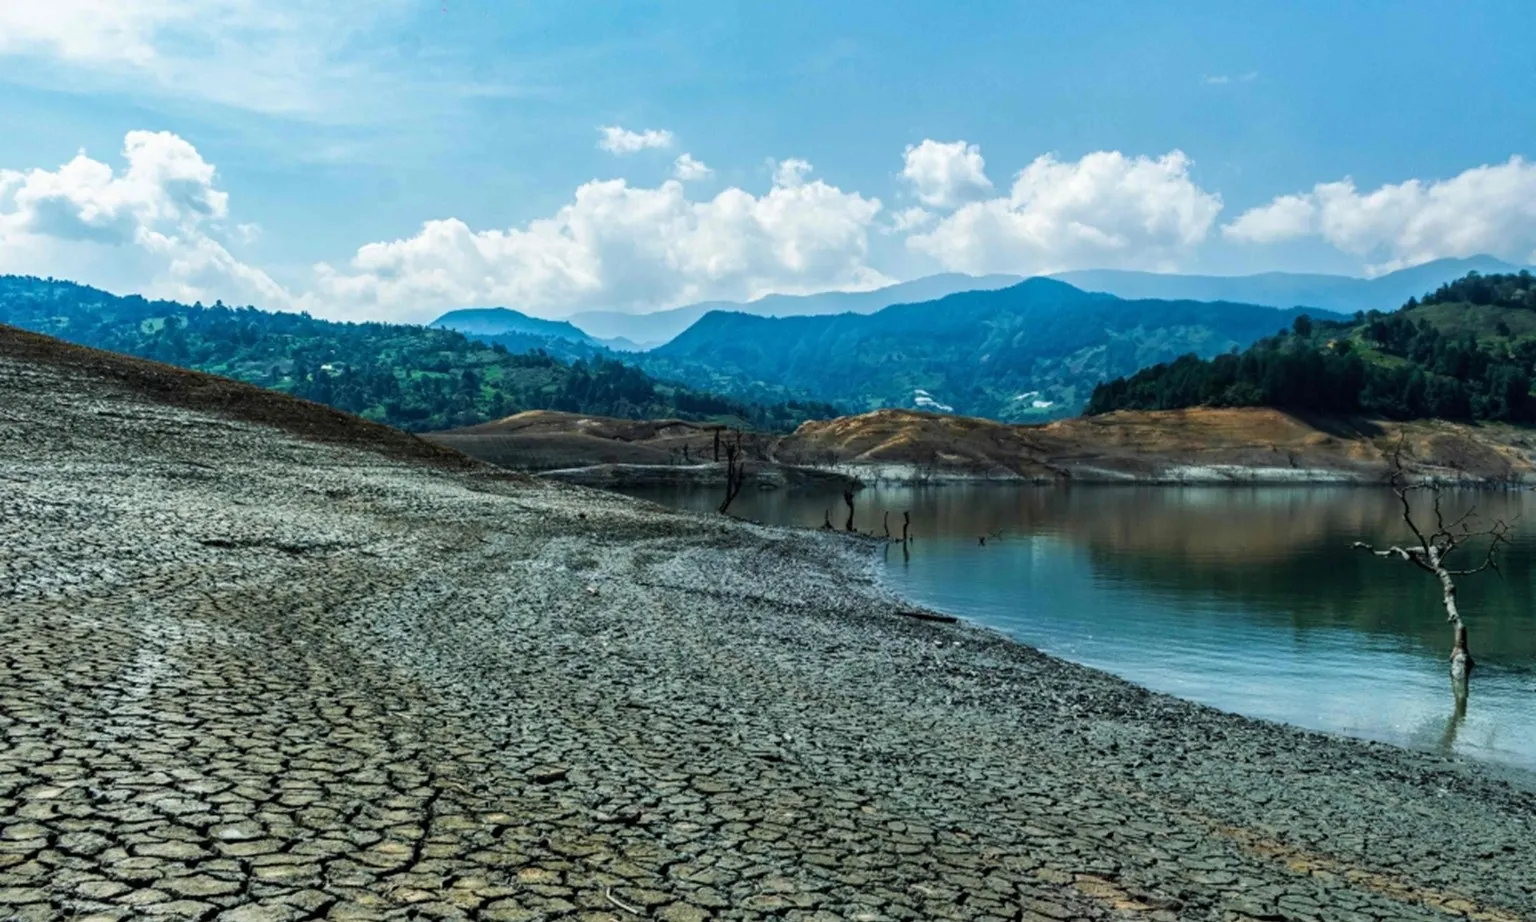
(1246, 599)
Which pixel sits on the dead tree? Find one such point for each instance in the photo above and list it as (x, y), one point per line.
(906, 521)
(848, 498)
(826, 519)
(1431, 553)
(717, 444)
(735, 472)
(887, 523)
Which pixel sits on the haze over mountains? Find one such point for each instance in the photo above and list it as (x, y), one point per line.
(1031, 351)
(637, 332)
(1341, 293)
(653, 329)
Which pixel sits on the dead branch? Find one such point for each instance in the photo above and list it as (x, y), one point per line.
(928, 616)
(735, 472)
(1433, 551)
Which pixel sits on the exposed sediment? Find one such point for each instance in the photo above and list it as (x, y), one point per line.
(1198, 446)
(246, 675)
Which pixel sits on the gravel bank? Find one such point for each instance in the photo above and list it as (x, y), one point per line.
(246, 676)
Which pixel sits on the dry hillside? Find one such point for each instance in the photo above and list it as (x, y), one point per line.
(1176, 446)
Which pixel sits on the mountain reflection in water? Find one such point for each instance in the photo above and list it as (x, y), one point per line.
(1247, 599)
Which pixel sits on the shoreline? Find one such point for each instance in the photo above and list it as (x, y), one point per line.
(248, 670)
(1523, 776)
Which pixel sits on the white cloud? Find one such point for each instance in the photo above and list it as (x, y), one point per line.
(1487, 209)
(617, 245)
(1105, 209)
(1285, 218)
(156, 224)
(622, 141)
(1225, 79)
(946, 174)
(910, 219)
(314, 61)
(790, 173)
(689, 169)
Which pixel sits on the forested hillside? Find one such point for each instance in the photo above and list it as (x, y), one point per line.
(1466, 351)
(1026, 353)
(411, 377)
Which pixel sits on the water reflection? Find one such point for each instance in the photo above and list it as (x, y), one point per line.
(1247, 599)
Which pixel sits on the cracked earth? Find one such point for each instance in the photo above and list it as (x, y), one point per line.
(249, 677)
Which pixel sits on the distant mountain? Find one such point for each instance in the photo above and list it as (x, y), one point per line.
(518, 332)
(1341, 293)
(1031, 351)
(410, 377)
(494, 321)
(653, 329)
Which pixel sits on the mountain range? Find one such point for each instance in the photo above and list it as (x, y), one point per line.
(626, 332)
(1029, 352)
(1342, 293)
(654, 329)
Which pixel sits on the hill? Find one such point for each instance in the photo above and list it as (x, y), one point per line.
(522, 333)
(656, 328)
(1466, 352)
(410, 377)
(1182, 446)
(1202, 445)
(162, 384)
(494, 321)
(1031, 351)
(1341, 293)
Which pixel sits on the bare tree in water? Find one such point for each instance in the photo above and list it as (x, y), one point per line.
(735, 472)
(1432, 552)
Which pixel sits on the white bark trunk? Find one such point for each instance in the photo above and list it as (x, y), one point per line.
(1461, 658)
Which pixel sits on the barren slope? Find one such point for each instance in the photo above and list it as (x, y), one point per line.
(1174, 446)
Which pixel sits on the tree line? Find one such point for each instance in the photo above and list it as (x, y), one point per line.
(411, 377)
(1401, 365)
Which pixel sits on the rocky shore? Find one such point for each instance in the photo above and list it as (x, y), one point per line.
(254, 671)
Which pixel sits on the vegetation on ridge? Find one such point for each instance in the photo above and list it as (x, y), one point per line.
(1467, 351)
(1027, 353)
(410, 377)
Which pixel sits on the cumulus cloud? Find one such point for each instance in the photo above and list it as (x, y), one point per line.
(790, 173)
(946, 174)
(1105, 209)
(617, 245)
(1487, 209)
(689, 169)
(1285, 218)
(622, 141)
(162, 214)
(910, 219)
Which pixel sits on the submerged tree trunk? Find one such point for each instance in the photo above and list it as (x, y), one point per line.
(848, 498)
(1461, 660)
(1430, 554)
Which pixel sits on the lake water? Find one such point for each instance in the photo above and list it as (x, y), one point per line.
(1247, 599)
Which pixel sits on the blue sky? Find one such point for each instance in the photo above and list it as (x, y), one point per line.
(393, 158)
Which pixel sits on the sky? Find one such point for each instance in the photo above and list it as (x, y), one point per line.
(392, 159)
